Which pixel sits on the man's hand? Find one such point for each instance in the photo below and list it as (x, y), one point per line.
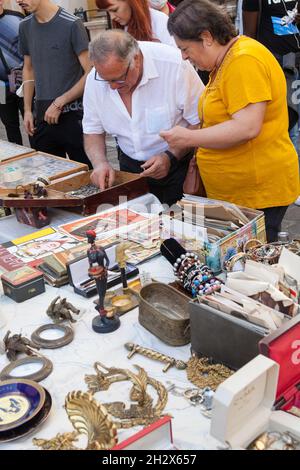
(29, 123)
(103, 176)
(52, 114)
(157, 167)
(177, 138)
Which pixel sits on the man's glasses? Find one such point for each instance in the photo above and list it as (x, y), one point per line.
(118, 82)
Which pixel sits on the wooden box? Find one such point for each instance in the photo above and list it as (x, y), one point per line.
(128, 185)
(9, 150)
(25, 169)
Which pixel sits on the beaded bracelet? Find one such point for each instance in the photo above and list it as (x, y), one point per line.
(57, 106)
(195, 277)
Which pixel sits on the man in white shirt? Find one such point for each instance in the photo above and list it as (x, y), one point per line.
(134, 91)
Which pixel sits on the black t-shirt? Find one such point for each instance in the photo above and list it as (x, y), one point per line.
(277, 44)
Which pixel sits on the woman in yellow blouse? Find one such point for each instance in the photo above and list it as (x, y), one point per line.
(244, 154)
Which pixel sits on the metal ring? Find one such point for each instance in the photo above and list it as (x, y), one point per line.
(36, 376)
(192, 392)
(52, 343)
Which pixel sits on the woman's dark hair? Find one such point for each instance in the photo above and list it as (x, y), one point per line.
(192, 17)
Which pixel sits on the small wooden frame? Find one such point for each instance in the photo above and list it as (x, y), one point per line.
(33, 165)
(9, 150)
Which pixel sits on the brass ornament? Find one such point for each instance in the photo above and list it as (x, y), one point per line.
(40, 374)
(91, 418)
(202, 373)
(59, 442)
(141, 413)
(18, 344)
(87, 417)
(155, 355)
(61, 310)
(68, 335)
(275, 441)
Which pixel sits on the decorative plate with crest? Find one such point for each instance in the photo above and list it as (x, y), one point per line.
(20, 401)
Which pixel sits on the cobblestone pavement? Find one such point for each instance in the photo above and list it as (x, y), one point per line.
(291, 221)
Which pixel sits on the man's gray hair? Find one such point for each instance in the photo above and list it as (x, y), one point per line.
(115, 42)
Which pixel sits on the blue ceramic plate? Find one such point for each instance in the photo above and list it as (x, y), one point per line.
(20, 401)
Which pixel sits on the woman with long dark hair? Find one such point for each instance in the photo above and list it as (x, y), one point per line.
(138, 19)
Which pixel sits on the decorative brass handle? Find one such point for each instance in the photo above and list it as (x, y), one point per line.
(155, 355)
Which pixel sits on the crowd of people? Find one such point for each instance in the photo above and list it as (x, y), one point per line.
(141, 83)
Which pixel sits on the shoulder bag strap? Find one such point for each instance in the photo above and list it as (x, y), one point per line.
(3, 60)
(258, 19)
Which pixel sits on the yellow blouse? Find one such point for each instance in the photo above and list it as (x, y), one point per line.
(264, 171)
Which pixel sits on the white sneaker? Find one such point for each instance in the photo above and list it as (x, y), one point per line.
(297, 202)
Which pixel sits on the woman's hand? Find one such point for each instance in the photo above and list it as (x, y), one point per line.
(177, 138)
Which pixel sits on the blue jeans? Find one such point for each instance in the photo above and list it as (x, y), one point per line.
(294, 136)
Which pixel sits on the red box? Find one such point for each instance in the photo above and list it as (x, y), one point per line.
(283, 346)
(156, 436)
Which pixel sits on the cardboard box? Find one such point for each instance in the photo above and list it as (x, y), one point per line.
(217, 253)
(23, 283)
(157, 436)
(283, 346)
(242, 406)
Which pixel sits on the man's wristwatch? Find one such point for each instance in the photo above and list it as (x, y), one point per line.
(170, 156)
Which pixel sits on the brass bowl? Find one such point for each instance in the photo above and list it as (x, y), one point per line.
(122, 303)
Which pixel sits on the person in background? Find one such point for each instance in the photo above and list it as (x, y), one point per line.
(245, 155)
(138, 19)
(275, 25)
(54, 44)
(135, 90)
(10, 103)
(162, 5)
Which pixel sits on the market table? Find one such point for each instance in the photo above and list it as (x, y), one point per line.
(72, 362)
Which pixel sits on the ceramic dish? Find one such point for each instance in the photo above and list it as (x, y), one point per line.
(31, 425)
(20, 401)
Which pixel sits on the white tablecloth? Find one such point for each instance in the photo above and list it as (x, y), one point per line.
(72, 362)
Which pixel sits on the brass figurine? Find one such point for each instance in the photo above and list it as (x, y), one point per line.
(60, 310)
(121, 260)
(15, 344)
(87, 417)
(155, 355)
(142, 413)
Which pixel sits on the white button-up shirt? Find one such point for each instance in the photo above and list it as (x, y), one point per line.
(159, 23)
(166, 96)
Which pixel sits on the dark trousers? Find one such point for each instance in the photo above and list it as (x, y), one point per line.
(9, 115)
(63, 138)
(169, 189)
(273, 219)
